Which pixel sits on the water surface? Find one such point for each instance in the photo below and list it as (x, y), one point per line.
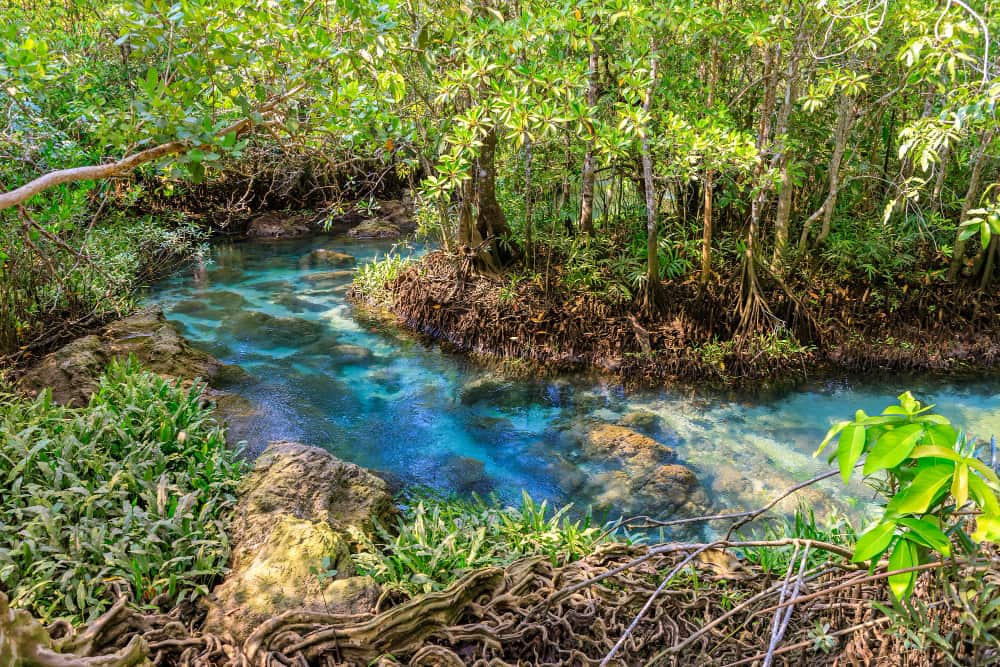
(327, 375)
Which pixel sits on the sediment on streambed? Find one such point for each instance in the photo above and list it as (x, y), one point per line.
(844, 329)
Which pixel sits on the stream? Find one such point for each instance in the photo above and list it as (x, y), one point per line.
(327, 375)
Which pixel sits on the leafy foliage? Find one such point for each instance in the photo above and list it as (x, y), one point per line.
(133, 489)
(927, 471)
(438, 539)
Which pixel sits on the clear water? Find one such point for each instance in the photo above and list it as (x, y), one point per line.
(327, 375)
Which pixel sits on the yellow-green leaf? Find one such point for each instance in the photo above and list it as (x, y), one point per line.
(874, 542)
(893, 447)
(903, 556)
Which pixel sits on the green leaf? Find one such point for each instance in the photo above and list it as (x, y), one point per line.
(929, 534)
(903, 556)
(849, 449)
(920, 494)
(830, 435)
(960, 485)
(874, 542)
(893, 447)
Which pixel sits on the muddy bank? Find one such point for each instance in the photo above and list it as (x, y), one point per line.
(843, 330)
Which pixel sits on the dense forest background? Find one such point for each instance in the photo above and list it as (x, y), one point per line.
(781, 152)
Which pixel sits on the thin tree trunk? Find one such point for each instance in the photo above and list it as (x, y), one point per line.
(826, 209)
(753, 308)
(971, 196)
(784, 211)
(589, 176)
(991, 254)
(652, 298)
(528, 245)
(709, 179)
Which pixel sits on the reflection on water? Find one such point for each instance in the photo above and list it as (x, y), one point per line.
(376, 396)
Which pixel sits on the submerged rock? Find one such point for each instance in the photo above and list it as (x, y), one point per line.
(272, 225)
(298, 506)
(602, 441)
(297, 304)
(226, 299)
(326, 257)
(328, 276)
(271, 331)
(640, 475)
(643, 421)
(72, 371)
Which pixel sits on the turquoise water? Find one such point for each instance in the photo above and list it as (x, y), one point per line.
(327, 375)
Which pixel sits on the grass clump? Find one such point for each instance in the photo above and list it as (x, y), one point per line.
(373, 280)
(134, 490)
(438, 539)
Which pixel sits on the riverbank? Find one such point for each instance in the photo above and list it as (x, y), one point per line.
(851, 329)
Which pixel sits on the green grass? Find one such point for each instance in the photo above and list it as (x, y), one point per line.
(134, 490)
(438, 539)
(372, 281)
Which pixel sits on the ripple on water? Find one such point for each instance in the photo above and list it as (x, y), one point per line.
(377, 396)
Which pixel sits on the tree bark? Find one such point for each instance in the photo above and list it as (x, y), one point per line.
(652, 297)
(826, 209)
(589, 176)
(971, 195)
(784, 212)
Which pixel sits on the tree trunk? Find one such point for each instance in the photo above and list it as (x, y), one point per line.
(589, 175)
(652, 297)
(528, 244)
(971, 195)
(826, 209)
(709, 179)
(491, 223)
(753, 307)
(784, 211)
(706, 234)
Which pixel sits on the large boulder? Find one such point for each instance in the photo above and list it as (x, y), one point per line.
(272, 225)
(72, 371)
(394, 218)
(375, 228)
(298, 507)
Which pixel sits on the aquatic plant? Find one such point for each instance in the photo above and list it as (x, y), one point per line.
(928, 472)
(132, 491)
(438, 539)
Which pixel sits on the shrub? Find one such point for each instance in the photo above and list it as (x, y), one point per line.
(928, 472)
(438, 539)
(134, 489)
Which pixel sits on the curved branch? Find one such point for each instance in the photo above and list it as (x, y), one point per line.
(128, 163)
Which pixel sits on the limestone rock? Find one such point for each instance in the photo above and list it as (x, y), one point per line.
(266, 330)
(272, 225)
(631, 448)
(328, 276)
(396, 212)
(375, 228)
(307, 483)
(326, 257)
(643, 421)
(72, 370)
(298, 506)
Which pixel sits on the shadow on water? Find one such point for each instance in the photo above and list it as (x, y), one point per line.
(381, 398)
